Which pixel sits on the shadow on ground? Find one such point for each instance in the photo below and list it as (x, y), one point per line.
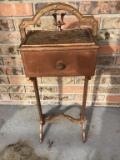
(19, 135)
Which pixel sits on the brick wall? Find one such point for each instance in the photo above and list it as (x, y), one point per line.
(104, 87)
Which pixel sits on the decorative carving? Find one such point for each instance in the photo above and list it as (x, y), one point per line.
(58, 6)
(80, 120)
(60, 22)
(62, 116)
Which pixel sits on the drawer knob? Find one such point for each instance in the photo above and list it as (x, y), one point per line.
(60, 65)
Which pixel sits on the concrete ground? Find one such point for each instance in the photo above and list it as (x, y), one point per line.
(19, 134)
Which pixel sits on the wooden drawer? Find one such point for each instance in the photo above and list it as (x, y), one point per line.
(59, 63)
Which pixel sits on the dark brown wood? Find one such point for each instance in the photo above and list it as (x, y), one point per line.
(42, 121)
(76, 36)
(59, 53)
(84, 96)
(76, 62)
(87, 78)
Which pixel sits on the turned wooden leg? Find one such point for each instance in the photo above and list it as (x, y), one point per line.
(83, 108)
(38, 105)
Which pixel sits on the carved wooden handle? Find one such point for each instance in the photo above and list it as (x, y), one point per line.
(58, 6)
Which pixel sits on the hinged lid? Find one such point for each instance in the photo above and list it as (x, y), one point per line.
(66, 37)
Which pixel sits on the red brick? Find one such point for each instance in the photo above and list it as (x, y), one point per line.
(95, 98)
(73, 22)
(71, 89)
(90, 97)
(9, 37)
(4, 96)
(3, 88)
(110, 22)
(85, 2)
(115, 80)
(61, 97)
(1, 61)
(12, 61)
(15, 102)
(104, 7)
(8, 49)
(100, 7)
(6, 25)
(113, 98)
(22, 96)
(44, 23)
(19, 80)
(105, 89)
(11, 70)
(109, 49)
(78, 97)
(90, 7)
(43, 89)
(16, 9)
(107, 71)
(114, 7)
(114, 36)
(58, 80)
(4, 80)
(39, 6)
(118, 61)
(74, 4)
(105, 60)
(12, 88)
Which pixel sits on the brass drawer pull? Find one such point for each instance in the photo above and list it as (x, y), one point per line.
(60, 65)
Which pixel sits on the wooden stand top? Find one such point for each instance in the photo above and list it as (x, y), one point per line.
(74, 37)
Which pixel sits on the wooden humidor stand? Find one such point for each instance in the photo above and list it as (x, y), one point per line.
(59, 53)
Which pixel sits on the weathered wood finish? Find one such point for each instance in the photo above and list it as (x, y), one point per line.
(64, 53)
(77, 63)
(75, 37)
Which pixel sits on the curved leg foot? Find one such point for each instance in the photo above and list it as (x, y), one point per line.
(41, 129)
(83, 128)
(83, 136)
